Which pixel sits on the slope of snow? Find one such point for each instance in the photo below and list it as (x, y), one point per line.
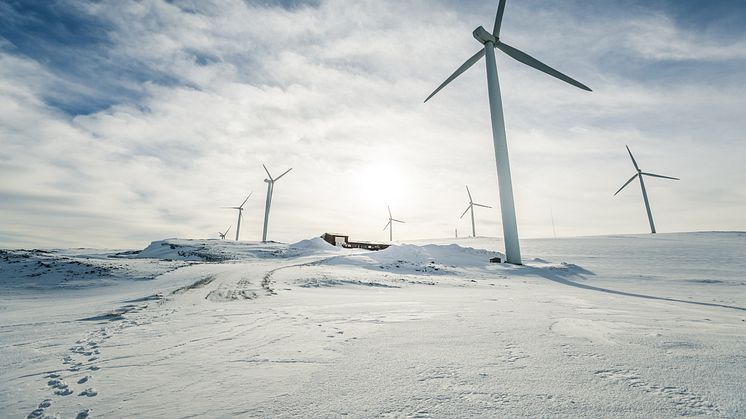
(429, 259)
(209, 250)
(49, 269)
(618, 326)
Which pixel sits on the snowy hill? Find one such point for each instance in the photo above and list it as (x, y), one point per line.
(634, 326)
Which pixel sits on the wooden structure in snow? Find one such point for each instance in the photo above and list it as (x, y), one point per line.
(343, 240)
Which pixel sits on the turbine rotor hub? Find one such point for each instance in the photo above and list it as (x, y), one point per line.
(481, 35)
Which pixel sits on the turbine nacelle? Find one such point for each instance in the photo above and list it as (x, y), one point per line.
(481, 35)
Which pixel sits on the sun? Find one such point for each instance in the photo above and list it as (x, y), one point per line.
(382, 184)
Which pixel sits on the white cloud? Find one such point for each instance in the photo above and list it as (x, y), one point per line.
(657, 37)
(336, 92)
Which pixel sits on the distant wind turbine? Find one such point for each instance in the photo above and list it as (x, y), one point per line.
(390, 225)
(490, 42)
(240, 211)
(639, 175)
(222, 235)
(270, 190)
(471, 206)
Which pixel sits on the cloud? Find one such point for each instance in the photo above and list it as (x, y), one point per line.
(146, 129)
(658, 38)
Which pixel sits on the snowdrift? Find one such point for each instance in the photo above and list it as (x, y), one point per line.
(46, 269)
(426, 259)
(209, 250)
(314, 245)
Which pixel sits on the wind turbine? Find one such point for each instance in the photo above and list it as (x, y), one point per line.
(471, 206)
(390, 225)
(490, 42)
(270, 190)
(240, 211)
(639, 175)
(222, 235)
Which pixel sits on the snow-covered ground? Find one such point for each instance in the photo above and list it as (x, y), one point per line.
(618, 326)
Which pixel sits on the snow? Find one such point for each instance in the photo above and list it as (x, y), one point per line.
(616, 326)
(315, 244)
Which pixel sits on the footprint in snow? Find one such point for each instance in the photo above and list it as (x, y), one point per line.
(84, 379)
(36, 413)
(84, 414)
(90, 392)
(57, 383)
(63, 392)
(39, 411)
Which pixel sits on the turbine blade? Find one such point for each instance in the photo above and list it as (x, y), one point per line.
(660, 176)
(465, 66)
(247, 198)
(398, 221)
(633, 158)
(226, 231)
(389, 210)
(480, 205)
(265, 169)
(468, 192)
(286, 172)
(499, 19)
(387, 225)
(627, 183)
(230, 207)
(465, 211)
(533, 62)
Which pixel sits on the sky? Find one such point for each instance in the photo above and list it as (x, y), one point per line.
(124, 122)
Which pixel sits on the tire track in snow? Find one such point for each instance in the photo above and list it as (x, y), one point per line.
(267, 281)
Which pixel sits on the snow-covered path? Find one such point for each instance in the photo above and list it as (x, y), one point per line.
(334, 334)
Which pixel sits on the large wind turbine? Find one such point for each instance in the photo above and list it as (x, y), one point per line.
(390, 225)
(471, 206)
(639, 175)
(240, 211)
(490, 42)
(222, 235)
(270, 190)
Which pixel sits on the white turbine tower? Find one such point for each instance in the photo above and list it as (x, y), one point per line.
(390, 225)
(270, 190)
(639, 175)
(490, 42)
(471, 206)
(222, 235)
(240, 212)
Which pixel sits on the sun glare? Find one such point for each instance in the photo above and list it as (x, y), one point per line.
(382, 184)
